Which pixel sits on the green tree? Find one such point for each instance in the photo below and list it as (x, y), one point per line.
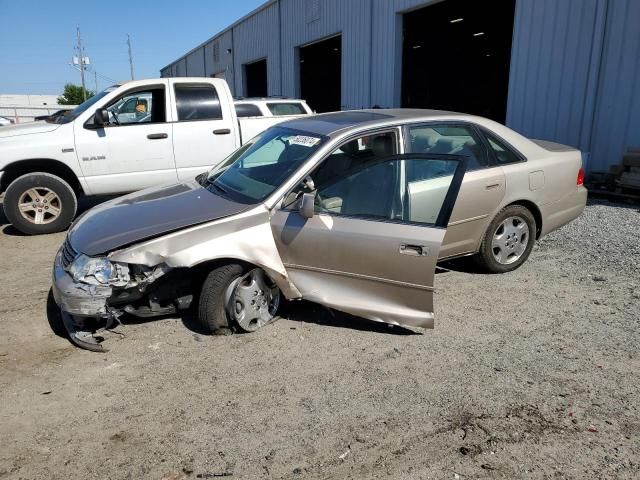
(72, 95)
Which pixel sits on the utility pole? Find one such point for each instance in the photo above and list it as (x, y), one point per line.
(130, 56)
(81, 61)
(95, 79)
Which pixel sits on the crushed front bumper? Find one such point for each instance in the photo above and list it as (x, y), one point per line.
(78, 303)
(78, 299)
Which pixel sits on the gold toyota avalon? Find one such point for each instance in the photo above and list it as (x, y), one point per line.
(351, 210)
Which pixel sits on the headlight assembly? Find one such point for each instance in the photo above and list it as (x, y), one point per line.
(98, 271)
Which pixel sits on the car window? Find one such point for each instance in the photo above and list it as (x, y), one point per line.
(260, 166)
(197, 102)
(449, 139)
(427, 182)
(247, 110)
(138, 107)
(279, 108)
(503, 154)
(359, 179)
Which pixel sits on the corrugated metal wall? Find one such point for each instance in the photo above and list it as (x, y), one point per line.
(575, 75)
(575, 67)
(311, 21)
(254, 39)
(617, 116)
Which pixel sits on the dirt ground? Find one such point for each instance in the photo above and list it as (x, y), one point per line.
(532, 374)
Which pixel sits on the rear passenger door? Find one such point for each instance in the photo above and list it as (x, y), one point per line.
(483, 187)
(204, 132)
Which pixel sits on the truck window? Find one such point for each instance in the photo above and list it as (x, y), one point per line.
(140, 106)
(197, 102)
(247, 110)
(280, 108)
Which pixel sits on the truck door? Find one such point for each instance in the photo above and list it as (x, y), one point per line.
(134, 150)
(205, 130)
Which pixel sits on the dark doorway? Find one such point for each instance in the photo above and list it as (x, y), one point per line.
(320, 74)
(255, 75)
(456, 56)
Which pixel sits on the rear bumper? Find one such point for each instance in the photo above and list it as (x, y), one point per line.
(565, 210)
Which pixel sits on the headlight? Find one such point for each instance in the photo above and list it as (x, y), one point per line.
(98, 271)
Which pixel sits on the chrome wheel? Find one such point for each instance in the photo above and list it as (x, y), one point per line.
(253, 300)
(40, 205)
(510, 240)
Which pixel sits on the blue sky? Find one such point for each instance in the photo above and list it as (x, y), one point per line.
(37, 38)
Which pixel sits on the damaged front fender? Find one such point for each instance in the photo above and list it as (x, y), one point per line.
(246, 237)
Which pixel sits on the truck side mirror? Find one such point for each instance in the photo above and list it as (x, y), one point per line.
(306, 207)
(101, 117)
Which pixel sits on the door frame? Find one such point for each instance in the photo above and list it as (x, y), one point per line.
(398, 303)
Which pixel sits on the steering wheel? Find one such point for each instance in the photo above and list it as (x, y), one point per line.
(115, 117)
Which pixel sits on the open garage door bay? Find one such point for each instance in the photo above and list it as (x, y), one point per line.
(320, 74)
(456, 56)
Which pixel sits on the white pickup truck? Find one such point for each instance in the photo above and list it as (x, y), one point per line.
(125, 138)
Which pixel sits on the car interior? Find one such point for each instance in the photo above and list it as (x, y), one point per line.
(360, 179)
(449, 139)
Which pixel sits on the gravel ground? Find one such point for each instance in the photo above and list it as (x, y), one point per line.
(531, 374)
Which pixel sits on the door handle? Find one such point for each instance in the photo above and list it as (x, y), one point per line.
(222, 131)
(414, 250)
(492, 186)
(157, 136)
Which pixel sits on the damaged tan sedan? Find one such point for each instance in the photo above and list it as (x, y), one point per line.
(351, 210)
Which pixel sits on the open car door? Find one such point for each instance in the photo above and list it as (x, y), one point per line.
(371, 247)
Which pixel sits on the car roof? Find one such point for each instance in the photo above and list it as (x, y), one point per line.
(266, 99)
(335, 123)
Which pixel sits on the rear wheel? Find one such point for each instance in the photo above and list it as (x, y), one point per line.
(236, 298)
(39, 202)
(508, 241)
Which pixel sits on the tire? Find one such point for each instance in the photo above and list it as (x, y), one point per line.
(508, 241)
(40, 193)
(235, 298)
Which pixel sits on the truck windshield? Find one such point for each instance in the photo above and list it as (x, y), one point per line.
(259, 167)
(83, 107)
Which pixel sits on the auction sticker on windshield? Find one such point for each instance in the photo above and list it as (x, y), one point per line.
(303, 140)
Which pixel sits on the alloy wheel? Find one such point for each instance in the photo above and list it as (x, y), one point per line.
(40, 205)
(510, 240)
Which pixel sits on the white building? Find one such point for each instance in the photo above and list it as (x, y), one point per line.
(23, 108)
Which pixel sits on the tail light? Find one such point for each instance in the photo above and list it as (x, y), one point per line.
(580, 179)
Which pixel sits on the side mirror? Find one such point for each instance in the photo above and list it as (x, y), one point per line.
(305, 205)
(101, 117)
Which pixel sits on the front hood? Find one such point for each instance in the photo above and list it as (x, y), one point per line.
(148, 213)
(28, 128)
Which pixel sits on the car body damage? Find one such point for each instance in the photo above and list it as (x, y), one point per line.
(246, 237)
(141, 270)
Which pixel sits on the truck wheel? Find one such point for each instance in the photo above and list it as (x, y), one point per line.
(39, 202)
(508, 240)
(236, 298)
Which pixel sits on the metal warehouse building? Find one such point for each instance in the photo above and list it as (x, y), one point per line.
(562, 70)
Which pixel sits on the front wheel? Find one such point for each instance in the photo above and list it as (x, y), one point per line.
(38, 203)
(237, 298)
(508, 241)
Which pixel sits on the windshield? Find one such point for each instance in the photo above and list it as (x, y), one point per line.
(83, 107)
(258, 168)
